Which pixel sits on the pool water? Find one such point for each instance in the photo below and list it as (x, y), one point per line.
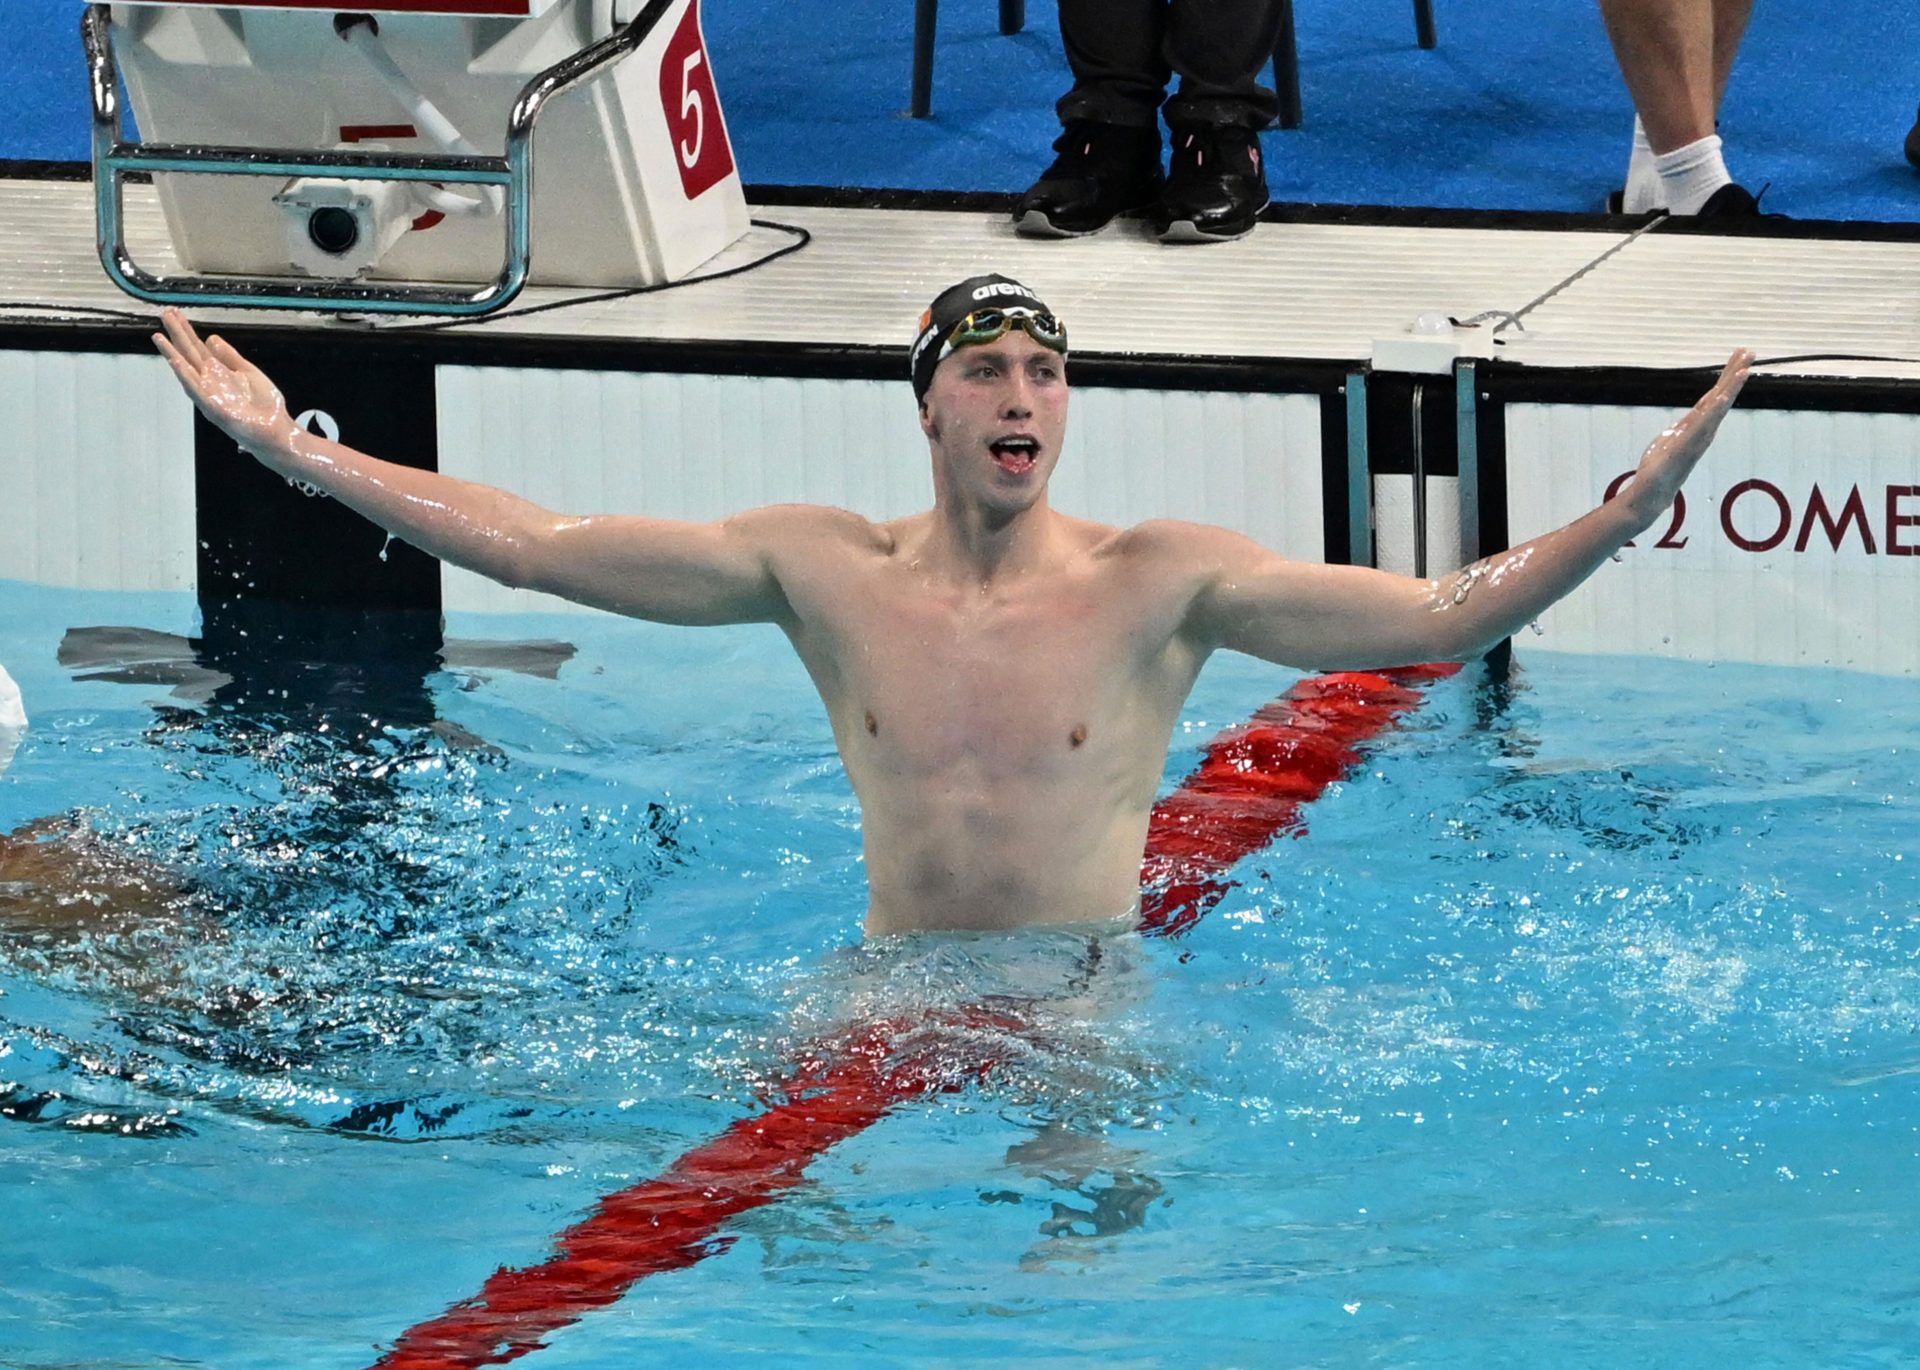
(1582, 1026)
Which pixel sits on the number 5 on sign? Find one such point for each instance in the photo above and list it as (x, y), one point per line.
(690, 105)
(689, 101)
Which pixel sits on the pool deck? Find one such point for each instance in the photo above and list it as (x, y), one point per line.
(1322, 284)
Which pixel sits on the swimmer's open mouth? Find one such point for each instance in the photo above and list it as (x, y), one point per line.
(1016, 454)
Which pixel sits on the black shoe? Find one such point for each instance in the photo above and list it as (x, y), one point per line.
(1617, 204)
(1913, 142)
(1216, 186)
(1732, 201)
(1103, 170)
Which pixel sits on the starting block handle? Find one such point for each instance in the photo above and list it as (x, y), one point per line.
(114, 157)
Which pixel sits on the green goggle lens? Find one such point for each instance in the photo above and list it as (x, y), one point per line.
(988, 325)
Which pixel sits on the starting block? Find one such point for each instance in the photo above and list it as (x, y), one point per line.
(390, 152)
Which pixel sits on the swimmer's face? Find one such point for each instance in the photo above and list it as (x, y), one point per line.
(995, 415)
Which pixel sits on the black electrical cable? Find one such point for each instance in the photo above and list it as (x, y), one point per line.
(97, 311)
(801, 237)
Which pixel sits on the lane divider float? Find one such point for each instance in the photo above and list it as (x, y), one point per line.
(1251, 786)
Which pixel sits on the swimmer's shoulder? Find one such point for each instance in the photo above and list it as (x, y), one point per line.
(815, 528)
(1171, 544)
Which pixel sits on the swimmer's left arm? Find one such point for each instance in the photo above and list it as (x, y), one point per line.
(1348, 617)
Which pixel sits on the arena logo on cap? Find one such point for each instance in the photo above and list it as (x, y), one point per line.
(984, 292)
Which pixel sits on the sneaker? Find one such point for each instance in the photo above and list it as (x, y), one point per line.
(1103, 170)
(1617, 203)
(1732, 201)
(1216, 187)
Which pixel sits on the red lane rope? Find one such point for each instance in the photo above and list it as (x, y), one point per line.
(1254, 780)
(672, 1222)
(1250, 786)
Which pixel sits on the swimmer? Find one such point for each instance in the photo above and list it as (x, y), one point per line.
(1002, 679)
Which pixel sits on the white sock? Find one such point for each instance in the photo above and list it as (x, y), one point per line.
(1689, 175)
(1642, 195)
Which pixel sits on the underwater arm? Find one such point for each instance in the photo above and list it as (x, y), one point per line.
(1334, 617)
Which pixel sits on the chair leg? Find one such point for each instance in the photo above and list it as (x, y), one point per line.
(1013, 15)
(1423, 23)
(924, 13)
(1286, 68)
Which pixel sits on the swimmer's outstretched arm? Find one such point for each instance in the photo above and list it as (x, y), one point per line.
(659, 569)
(1348, 617)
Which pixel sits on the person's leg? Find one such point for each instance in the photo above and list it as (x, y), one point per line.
(1675, 57)
(1114, 51)
(1219, 48)
(1109, 146)
(1217, 184)
(1729, 27)
(1665, 52)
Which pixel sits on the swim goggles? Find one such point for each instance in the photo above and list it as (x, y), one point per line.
(990, 325)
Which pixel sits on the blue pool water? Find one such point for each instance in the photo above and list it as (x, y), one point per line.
(1582, 1026)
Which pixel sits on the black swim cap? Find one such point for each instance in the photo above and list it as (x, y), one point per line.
(952, 305)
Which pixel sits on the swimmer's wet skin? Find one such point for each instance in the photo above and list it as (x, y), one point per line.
(1002, 679)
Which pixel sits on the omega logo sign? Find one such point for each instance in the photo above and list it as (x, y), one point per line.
(320, 423)
(1757, 515)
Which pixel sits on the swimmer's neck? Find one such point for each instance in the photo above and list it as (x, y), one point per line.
(971, 544)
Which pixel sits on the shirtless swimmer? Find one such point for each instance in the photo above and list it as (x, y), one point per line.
(1002, 679)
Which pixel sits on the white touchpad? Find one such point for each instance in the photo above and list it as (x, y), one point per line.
(13, 718)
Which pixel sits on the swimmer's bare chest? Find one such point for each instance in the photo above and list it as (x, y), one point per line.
(995, 681)
(1005, 741)
(1002, 688)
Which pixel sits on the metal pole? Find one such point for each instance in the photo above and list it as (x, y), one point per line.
(1359, 474)
(925, 12)
(1286, 68)
(1466, 384)
(1419, 484)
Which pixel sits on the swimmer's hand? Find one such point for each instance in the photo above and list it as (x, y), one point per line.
(234, 394)
(1671, 457)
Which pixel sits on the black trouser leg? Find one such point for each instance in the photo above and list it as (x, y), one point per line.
(1115, 49)
(1219, 48)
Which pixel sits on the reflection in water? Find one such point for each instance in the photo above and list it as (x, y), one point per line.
(329, 858)
(353, 890)
(1106, 1178)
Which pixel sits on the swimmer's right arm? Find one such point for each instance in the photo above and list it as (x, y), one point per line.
(660, 569)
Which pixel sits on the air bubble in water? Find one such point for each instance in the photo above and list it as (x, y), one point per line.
(383, 546)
